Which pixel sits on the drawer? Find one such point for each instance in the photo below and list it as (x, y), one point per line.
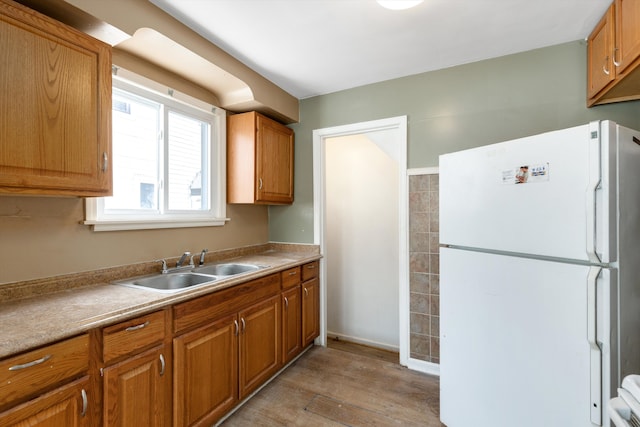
(290, 277)
(29, 374)
(310, 270)
(132, 335)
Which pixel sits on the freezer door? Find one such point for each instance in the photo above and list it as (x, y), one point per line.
(515, 342)
(538, 195)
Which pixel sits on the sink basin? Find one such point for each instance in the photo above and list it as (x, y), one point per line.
(226, 269)
(168, 282)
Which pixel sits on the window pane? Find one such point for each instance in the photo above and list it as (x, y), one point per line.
(186, 140)
(135, 153)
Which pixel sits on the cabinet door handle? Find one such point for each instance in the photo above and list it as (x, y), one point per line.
(135, 328)
(85, 402)
(235, 322)
(244, 324)
(616, 63)
(306, 292)
(604, 66)
(30, 364)
(162, 365)
(259, 183)
(105, 161)
(286, 302)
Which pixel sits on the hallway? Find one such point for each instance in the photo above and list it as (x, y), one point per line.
(334, 387)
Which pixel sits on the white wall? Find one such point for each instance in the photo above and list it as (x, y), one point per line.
(362, 239)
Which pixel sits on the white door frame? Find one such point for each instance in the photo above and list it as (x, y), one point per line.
(399, 126)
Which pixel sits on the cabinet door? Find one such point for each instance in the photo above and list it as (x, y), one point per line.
(627, 47)
(135, 391)
(63, 407)
(259, 344)
(310, 311)
(55, 99)
(274, 162)
(291, 324)
(206, 373)
(600, 68)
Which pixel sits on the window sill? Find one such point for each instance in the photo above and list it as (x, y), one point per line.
(121, 225)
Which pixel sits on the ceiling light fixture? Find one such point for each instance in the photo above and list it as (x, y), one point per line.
(399, 4)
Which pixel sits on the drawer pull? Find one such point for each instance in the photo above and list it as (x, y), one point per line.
(162, 365)
(85, 402)
(293, 273)
(30, 364)
(311, 267)
(135, 328)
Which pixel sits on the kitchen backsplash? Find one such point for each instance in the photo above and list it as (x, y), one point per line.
(424, 268)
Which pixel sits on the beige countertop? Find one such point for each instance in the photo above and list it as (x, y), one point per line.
(40, 319)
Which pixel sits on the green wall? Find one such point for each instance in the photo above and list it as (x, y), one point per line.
(449, 110)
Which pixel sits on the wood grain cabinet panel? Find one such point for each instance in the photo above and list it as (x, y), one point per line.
(259, 160)
(137, 372)
(600, 68)
(55, 107)
(135, 391)
(613, 55)
(206, 373)
(310, 270)
(29, 374)
(259, 344)
(310, 311)
(291, 324)
(627, 47)
(136, 334)
(66, 406)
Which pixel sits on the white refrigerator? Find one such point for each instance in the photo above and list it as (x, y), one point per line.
(539, 278)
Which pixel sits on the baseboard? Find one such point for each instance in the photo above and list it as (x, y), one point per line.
(424, 367)
(375, 344)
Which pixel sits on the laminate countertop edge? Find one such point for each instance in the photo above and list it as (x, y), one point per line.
(36, 321)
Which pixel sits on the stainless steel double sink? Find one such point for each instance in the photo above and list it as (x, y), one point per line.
(181, 279)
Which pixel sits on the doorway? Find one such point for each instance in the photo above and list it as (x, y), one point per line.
(360, 223)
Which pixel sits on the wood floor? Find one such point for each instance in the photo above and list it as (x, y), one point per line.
(344, 385)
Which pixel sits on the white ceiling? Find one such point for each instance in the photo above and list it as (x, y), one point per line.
(314, 47)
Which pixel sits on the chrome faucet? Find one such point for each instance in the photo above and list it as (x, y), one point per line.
(182, 259)
(202, 254)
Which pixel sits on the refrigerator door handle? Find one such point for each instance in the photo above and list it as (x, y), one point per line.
(594, 184)
(595, 350)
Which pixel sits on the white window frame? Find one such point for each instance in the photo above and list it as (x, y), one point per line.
(216, 214)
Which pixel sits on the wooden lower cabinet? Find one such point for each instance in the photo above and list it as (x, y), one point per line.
(185, 365)
(65, 406)
(136, 391)
(259, 344)
(310, 311)
(291, 324)
(222, 362)
(206, 373)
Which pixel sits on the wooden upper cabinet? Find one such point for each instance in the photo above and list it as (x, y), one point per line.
(613, 55)
(600, 66)
(259, 160)
(55, 107)
(627, 48)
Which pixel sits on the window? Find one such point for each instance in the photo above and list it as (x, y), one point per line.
(168, 162)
